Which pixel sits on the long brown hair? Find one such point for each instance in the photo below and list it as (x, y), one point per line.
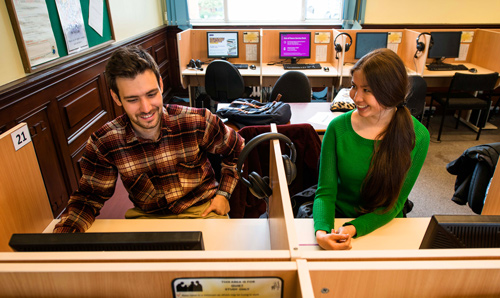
(386, 75)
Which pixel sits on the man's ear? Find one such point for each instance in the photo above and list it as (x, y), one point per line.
(115, 98)
(161, 85)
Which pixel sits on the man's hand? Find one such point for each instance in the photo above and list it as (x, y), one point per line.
(335, 240)
(219, 205)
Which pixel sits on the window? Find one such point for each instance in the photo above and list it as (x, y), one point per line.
(264, 12)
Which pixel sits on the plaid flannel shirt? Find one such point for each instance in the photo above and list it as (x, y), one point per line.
(170, 174)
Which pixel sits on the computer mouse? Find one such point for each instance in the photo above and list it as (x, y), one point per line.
(326, 68)
(253, 67)
(473, 70)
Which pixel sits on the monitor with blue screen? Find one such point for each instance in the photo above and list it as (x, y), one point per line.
(295, 45)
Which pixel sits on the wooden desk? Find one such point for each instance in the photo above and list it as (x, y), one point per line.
(398, 234)
(443, 78)
(317, 114)
(218, 234)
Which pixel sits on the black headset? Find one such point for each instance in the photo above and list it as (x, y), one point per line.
(257, 185)
(195, 64)
(421, 45)
(338, 47)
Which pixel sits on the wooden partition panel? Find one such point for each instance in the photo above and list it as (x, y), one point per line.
(281, 223)
(408, 50)
(405, 279)
(146, 279)
(484, 53)
(184, 46)
(24, 205)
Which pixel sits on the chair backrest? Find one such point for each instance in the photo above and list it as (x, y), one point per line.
(223, 81)
(294, 86)
(473, 82)
(415, 101)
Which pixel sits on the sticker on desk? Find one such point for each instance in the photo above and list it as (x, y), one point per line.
(21, 137)
(262, 287)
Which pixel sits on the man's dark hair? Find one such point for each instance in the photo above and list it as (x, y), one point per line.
(128, 62)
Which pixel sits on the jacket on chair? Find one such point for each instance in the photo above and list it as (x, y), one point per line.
(474, 170)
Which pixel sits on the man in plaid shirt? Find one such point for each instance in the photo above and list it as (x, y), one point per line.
(159, 151)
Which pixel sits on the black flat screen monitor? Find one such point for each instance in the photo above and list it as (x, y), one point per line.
(122, 241)
(445, 45)
(462, 231)
(222, 45)
(369, 41)
(295, 45)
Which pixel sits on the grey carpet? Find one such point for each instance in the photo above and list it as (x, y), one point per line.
(434, 188)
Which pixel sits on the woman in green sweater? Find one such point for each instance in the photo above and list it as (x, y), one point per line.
(371, 156)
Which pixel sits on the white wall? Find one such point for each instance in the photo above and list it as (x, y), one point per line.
(432, 12)
(129, 18)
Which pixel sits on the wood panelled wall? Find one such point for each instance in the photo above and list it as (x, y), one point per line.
(64, 105)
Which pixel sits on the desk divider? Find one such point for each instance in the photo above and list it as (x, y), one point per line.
(184, 50)
(24, 204)
(408, 49)
(113, 279)
(405, 279)
(482, 54)
(281, 221)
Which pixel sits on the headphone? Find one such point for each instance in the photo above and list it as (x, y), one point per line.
(421, 45)
(195, 64)
(338, 47)
(257, 185)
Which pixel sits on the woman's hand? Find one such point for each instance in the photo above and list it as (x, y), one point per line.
(333, 241)
(347, 229)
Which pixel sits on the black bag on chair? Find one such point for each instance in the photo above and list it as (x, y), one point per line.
(243, 112)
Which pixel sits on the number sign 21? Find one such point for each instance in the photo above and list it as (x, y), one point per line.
(21, 137)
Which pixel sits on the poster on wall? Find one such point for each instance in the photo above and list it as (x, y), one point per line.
(36, 30)
(71, 17)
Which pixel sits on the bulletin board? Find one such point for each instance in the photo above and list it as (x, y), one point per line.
(94, 39)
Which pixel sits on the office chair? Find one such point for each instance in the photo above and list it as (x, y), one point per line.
(415, 102)
(293, 86)
(463, 95)
(223, 81)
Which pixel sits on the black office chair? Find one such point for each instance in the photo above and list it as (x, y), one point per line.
(463, 95)
(223, 81)
(415, 101)
(293, 86)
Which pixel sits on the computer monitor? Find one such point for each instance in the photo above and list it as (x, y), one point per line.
(120, 241)
(222, 45)
(445, 45)
(462, 231)
(369, 41)
(295, 45)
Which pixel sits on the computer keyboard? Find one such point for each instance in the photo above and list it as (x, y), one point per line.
(302, 66)
(241, 66)
(444, 67)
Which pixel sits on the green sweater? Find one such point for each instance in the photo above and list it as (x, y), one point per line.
(344, 162)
